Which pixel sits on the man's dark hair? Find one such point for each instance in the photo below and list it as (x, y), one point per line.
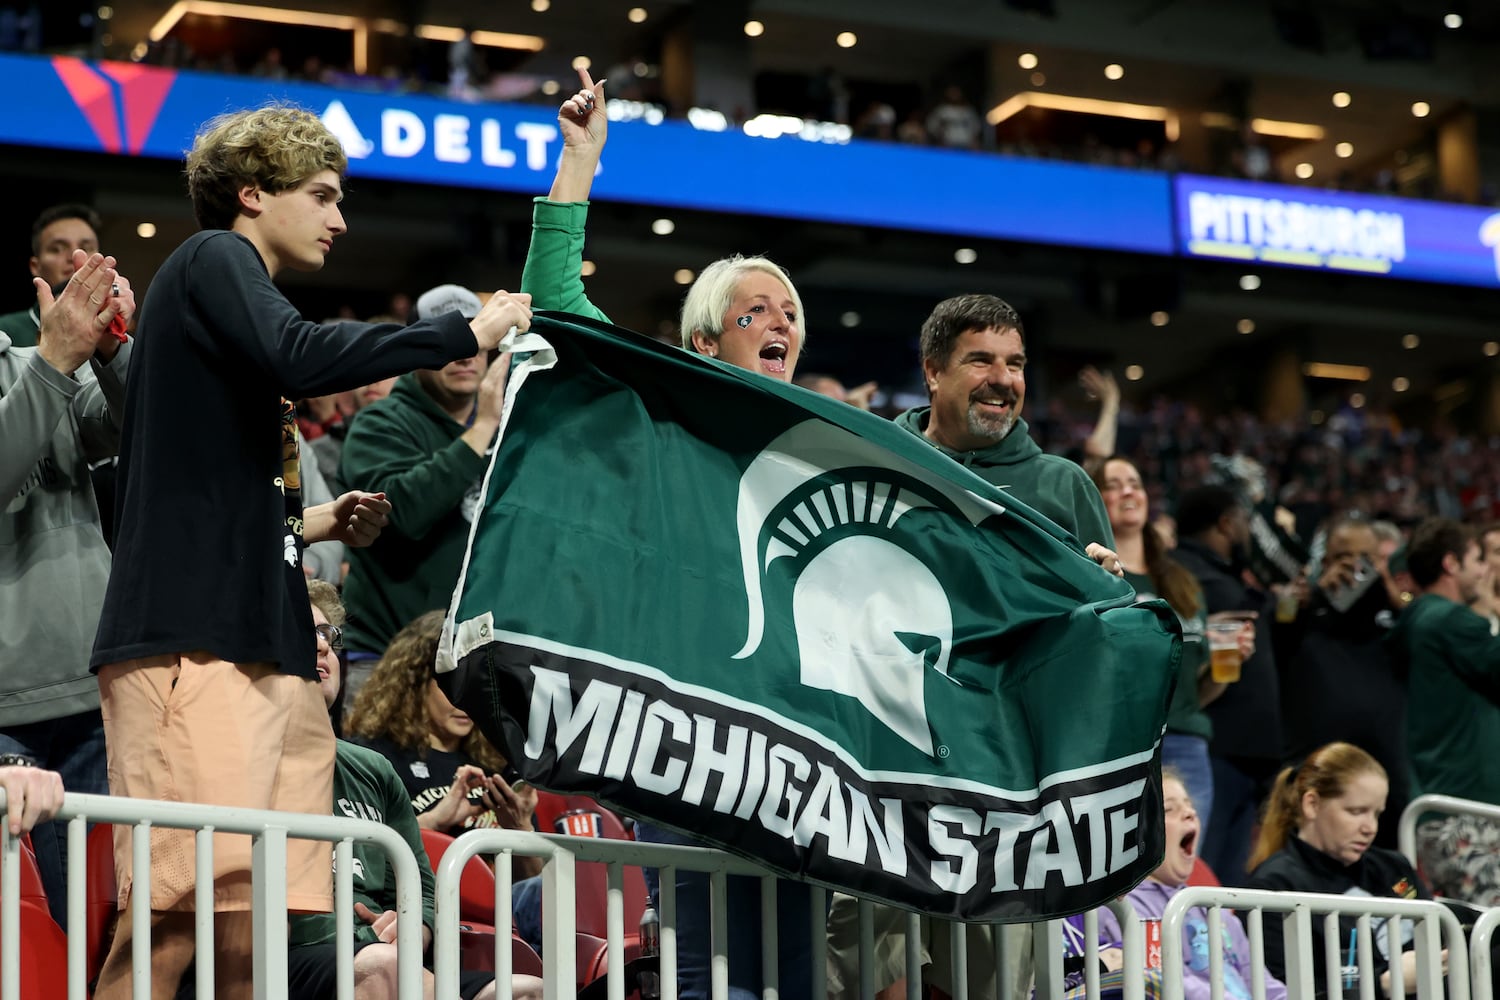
(71, 210)
(952, 318)
(1433, 539)
(1201, 507)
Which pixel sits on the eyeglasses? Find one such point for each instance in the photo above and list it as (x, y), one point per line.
(331, 634)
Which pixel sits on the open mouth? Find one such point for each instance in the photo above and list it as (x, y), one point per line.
(995, 404)
(1189, 843)
(322, 673)
(773, 358)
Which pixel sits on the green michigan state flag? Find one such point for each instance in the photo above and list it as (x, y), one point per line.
(794, 630)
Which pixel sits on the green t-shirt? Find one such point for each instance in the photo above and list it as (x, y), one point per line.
(21, 327)
(1184, 715)
(365, 786)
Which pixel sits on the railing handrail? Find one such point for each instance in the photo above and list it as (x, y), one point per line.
(1481, 938)
(79, 809)
(1280, 901)
(1406, 828)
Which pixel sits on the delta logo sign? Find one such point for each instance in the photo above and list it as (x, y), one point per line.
(134, 110)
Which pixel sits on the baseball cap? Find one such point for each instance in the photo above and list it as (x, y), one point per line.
(446, 299)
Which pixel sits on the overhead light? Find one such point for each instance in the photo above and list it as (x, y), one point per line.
(1245, 326)
(1017, 103)
(1134, 372)
(146, 230)
(849, 320)
(663, 227)
(1287, 130)
(1344, 150)
(1028, 60)
(1411, 341)
(1160, 318)
(1346, 373)
(1114, 71)
(139, 52)
(1400, 383)
(492, 39)
(1039, 79)
(1453, 21)
(105, 12)
(847, 39)
(588, 268)
(966, 255)
(754, 29)
(1421, 109)
(1249, 282)
(1356, 399)
(551, 87)
(1304, 170)
(541, 6)
(1341, 99)
(581, 63)
(636, 15)
(1491, 348)
(683, 276)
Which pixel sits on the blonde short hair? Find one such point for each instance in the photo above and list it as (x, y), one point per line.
(712, 294)
(325, 597)
(276, 148)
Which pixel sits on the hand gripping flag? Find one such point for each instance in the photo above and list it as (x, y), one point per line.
(797, 631)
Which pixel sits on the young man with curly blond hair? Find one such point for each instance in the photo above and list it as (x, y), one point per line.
(206, 667)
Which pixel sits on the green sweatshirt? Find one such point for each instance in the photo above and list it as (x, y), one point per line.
(554, 263)
(365, 786)
(21, 327)
(1453, 705)
(407, 447)
(1049, 484)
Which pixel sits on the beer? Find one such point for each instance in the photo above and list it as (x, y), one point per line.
(1224, 651)
(1224, 664)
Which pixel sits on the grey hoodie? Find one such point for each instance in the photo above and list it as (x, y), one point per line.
(53, 560)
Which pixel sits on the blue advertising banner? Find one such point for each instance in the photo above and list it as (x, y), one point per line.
(136, 110)
(1335, 231)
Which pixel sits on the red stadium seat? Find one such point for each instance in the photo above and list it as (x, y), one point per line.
(476, 888)
(44, 948)
(1202, 874)
(101, 905)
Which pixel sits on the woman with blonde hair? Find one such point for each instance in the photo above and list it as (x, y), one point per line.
(1317, 835)
(745, 312)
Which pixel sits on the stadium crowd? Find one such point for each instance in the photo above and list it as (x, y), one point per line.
(1353, 559)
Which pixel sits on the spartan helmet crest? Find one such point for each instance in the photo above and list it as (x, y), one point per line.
(870, 616)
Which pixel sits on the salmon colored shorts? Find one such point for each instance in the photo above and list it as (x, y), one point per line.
(192, 728)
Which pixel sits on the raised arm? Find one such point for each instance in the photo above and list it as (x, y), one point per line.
(554, 262)
(585, 127)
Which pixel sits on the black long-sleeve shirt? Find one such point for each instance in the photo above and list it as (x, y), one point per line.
(208, 513)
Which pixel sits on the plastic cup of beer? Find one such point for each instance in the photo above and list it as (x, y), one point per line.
(1224, 651)
(1286, 603)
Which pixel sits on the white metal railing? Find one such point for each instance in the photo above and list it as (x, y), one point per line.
(269, 832)
(1435, 928)
(1406, 828)
(1481, 943)
(561, 854)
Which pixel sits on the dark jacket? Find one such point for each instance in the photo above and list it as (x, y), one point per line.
(1247, 716)
(1300, 867)
(1340, 682)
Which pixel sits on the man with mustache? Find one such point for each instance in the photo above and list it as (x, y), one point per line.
(974, 364)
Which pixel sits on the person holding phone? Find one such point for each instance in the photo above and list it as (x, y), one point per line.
(1343, 685)
(455, 777)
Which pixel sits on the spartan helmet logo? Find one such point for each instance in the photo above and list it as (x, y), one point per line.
(870, 616)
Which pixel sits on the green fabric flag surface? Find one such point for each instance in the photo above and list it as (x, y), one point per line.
(791, 629)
